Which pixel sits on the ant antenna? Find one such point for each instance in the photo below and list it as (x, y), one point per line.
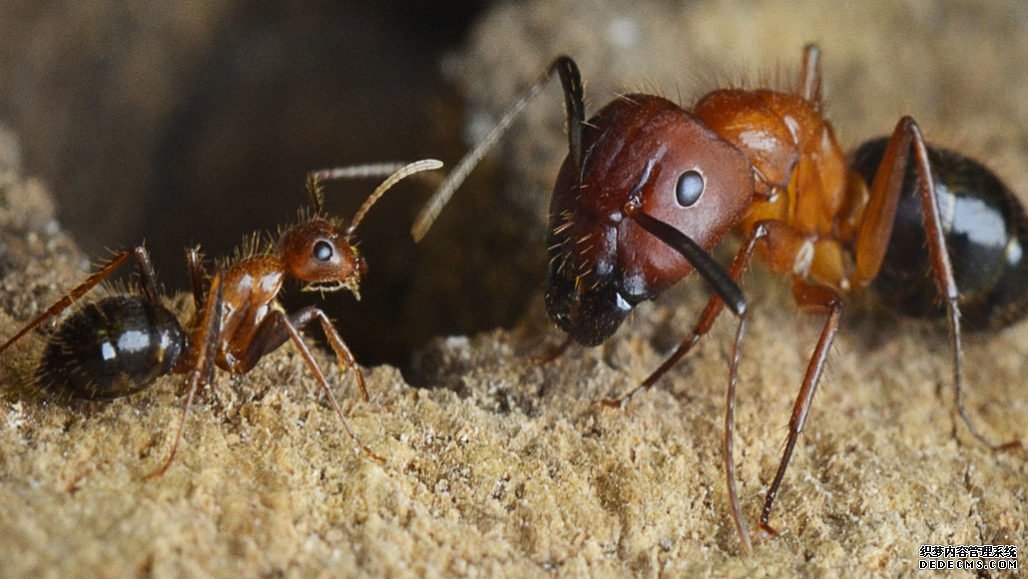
(316, 192)
(368, 170)
(810, 76)
(571, 82)
(396, 177)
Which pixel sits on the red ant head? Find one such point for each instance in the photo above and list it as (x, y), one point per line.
(647, 150)
(318, 251)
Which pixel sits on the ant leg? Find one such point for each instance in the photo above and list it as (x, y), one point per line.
(197, 275)
(342, 351)
(812, 299)
(706, 320)
(728, 443)
(876, 230)
(204, 348)
(810, 76)
(554, 353)
(727, 292)
(574, 107)
(278, 328)
(272, 333)
(148, 283)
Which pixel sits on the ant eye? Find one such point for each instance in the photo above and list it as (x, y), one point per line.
(323, 251)
(689, 188)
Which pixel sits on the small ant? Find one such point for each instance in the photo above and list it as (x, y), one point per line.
(646, 184)
(122, 343)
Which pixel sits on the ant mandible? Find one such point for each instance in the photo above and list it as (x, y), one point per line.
(122, 343)
(648, 190)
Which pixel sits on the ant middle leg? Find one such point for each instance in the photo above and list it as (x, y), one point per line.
(726, 292)
(199, 362)
(280, 327)
(275, 331)
(815, 299)
(875, 233)
(706, 321)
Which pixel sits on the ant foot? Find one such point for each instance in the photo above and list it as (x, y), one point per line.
(616, 403)
(766, 532)
(621, 402)
(552, 355)
(547, 358)
(159, 471)
(371, 454)
(1012, 446)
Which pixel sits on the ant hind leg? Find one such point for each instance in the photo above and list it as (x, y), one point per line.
(876, 230)
(147, 279)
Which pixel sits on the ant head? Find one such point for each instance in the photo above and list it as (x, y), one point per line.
(646, 152)
(320, 250)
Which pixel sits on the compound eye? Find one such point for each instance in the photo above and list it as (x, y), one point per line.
(689, 188)
(323, 251)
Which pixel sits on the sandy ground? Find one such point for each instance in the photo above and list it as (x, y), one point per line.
(500, 466)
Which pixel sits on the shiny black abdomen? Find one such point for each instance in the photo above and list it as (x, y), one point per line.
(111, 348)
(986, 235)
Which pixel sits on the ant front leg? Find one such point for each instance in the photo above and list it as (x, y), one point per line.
(726, 292)
(279, 327)
(814, 299)
(706, 321)
(147, 278)
(876, 231)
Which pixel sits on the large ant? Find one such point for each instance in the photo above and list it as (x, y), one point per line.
(122, 343)
(646, 184)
